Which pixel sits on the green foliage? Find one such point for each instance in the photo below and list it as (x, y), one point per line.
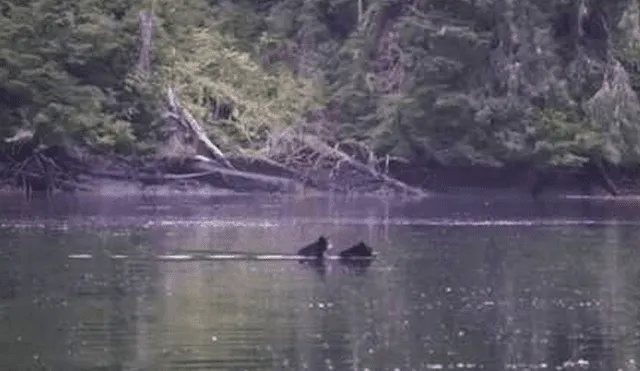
(467, 94)
(202, 63)
(43, 46)
(562, 140)
(457, 81)
(67, 71)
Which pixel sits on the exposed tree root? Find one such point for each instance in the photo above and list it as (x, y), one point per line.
(37, 168)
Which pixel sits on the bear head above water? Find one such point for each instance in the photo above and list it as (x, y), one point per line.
(316, 249)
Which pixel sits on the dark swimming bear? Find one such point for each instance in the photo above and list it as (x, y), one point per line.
(316, 249)
(360, 250)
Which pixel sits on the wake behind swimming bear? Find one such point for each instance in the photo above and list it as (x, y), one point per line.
(316, 249)
(360, 250)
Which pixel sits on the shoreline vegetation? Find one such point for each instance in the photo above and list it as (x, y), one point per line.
(53, 169)
(284, 96)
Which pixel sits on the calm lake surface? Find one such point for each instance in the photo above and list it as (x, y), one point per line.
(460, 283)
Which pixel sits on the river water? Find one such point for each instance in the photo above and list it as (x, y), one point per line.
(460, 283)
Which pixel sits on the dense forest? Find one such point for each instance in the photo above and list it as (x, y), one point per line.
(313, 89)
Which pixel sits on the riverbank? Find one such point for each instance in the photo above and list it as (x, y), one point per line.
(102, 174)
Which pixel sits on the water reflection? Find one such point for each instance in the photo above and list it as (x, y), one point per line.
(318, 266)
(355, 266)
(440, 295)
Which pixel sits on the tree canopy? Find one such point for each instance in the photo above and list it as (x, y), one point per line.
(453, 81)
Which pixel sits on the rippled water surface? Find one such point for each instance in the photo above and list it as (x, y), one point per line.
(460, 283)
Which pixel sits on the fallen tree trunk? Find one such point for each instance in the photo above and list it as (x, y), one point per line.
(325, 149)
(249, 178)
(202, 168)
(267, 166)
(184, 117)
